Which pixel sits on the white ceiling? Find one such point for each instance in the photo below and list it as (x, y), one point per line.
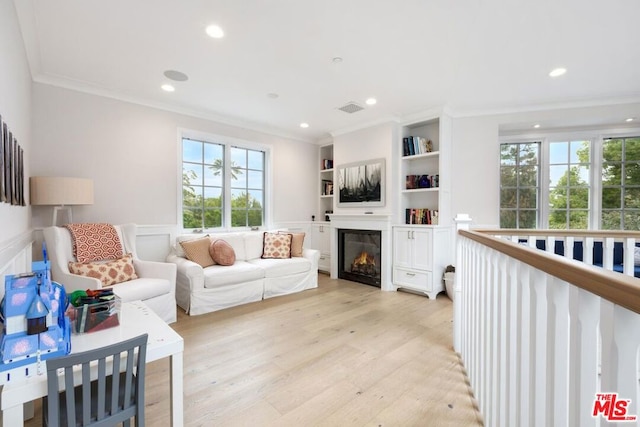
(471, 56)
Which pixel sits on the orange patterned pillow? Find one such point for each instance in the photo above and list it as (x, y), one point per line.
(109, 273)
(275, 245)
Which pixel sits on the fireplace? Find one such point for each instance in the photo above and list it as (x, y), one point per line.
(359, 256)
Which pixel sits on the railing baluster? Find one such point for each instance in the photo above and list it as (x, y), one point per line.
(537, 347)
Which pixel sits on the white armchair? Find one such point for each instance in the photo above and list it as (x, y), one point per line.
(155, 285)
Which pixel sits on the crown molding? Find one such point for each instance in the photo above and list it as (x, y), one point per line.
(92, 89)
(365, 125)
(570, 104)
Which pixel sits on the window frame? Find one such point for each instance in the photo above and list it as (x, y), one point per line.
(597, 137)
(539, 177)
(227, 142)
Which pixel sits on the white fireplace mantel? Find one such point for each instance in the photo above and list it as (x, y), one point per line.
(381, 222)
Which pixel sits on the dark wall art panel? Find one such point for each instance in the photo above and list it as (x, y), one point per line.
(11, 167)
(361, 184)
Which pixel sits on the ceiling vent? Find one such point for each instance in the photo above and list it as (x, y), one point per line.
(351, 108)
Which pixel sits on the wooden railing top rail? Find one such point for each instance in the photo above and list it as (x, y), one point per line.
(618, 288)
(617, 234)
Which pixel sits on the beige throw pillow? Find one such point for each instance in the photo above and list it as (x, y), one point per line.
(197, 250)
(297, 243)
(276, 245)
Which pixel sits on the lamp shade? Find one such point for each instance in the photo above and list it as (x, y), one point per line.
(46, 190)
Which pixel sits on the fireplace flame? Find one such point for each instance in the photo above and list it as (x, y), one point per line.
(364, 259)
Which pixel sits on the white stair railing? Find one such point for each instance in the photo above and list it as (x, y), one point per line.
(541, 335)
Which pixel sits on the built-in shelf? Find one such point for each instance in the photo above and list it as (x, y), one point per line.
(421, 190)
(421, 156)
(326, 181)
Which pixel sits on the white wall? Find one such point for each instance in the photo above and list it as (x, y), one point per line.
(132, 154)
(476, 164)
(15, 109)
(368, 144)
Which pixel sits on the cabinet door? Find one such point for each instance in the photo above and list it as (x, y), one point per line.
(422, 245)
(402, 247)
(321, 237)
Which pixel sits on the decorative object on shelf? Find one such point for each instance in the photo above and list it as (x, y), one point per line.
(327, 187)
(422, 181)
(361, 184)
(421, 216)
(327, 164)
(62, 193)
(326, 215)
(413, 145)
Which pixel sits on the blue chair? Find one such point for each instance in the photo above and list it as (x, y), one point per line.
(105, 401)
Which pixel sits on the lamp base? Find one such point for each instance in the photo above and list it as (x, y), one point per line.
(66, 212)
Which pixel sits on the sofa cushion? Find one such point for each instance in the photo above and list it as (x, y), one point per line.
(197, 250)
(219, 275)
(282, 267)
(276, 245)
(236, 240)
(142, 289)
(109, 272)
(222, 252)
(253, 244)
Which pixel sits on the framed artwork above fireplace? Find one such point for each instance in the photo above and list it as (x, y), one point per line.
(361, 184)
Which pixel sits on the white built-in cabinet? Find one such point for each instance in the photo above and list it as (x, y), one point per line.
(422, 245)
(320, 240)
(419, 258)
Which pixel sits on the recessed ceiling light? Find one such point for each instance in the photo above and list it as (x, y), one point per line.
(336, 60)
(557, 72)
(371, 101)
(536, 126)
(272, 95)
(630, 119)
(304, 125)
(176, 76)
(215, 31)
(168, 88)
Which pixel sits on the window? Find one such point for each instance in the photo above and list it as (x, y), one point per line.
(519, 184)
(589, 182)
(223, 185)
(247, 187)
(569, 184)
(621, 184)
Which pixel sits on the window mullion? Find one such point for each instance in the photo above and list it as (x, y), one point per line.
(226, 212)
(543, 193)
(595, 194)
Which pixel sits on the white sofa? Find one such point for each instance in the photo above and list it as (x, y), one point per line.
(251, 278)
(155, 285)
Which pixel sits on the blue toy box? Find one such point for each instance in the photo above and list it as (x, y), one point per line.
(34, 325)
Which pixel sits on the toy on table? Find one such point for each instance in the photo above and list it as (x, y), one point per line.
(93, 310)
(34, 325)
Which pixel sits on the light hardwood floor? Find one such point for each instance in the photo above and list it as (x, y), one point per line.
(344, 354)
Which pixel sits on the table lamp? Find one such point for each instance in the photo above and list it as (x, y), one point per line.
(60, 192)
